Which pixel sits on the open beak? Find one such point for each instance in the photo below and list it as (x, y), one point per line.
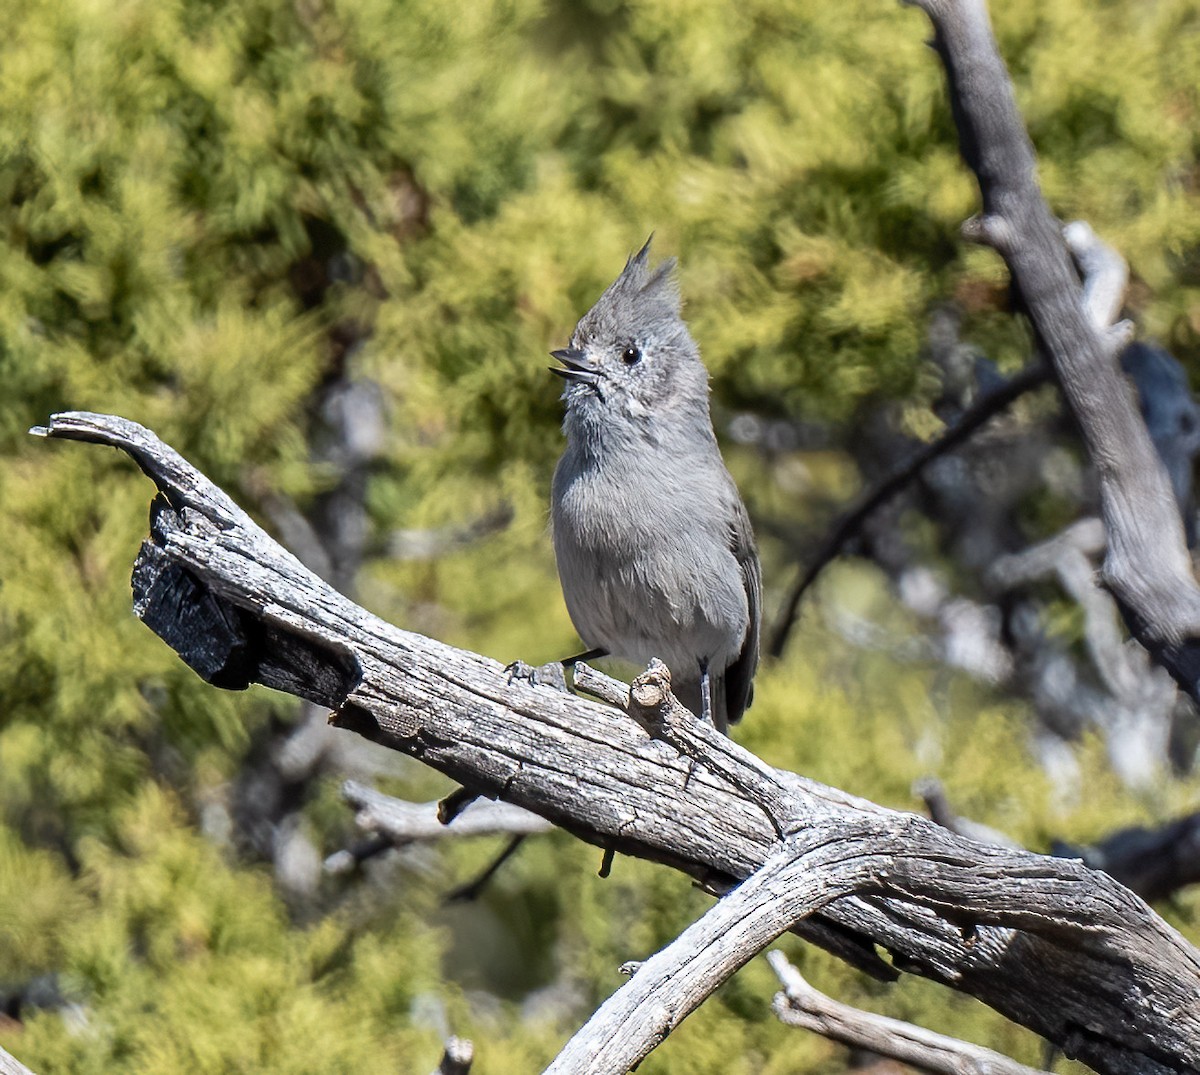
(575, 366)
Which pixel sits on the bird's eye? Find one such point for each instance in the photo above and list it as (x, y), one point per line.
(631, 356)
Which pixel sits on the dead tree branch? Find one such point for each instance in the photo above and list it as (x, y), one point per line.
(1153, 862)
(1133, 710)
(1147, 567)
(1059, 948)
(406, 822)
(801, 1005)
(456, 1060)
(806, 872)
(10, 1065)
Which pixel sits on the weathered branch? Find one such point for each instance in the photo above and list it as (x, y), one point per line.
(1133, 711)
(1055, 946)
(405, 822)
(1105, 273)
(1153, 862)
(1147, 566)
(804, 873)
(396, 823)
(1084, 537)
(801, 1005)
(10, 1065)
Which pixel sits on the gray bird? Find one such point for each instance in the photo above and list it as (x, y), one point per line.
(654, 547)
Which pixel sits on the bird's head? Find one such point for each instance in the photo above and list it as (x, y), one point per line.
(631, 356)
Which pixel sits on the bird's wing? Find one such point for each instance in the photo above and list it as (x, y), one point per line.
(739, 676)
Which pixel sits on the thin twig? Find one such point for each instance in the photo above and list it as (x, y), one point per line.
(985, 407)
(470, 890)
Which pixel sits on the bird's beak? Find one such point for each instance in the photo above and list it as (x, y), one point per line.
(576, 368)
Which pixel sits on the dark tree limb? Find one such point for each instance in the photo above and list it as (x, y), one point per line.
(1147, 567)
(471, 890)
(850, 525)
(1153, 862)
(1057, 947)
(1105, 277)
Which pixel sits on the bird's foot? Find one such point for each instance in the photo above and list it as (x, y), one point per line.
(552, 674)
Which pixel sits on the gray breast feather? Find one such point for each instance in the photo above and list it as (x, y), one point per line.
(656, 577)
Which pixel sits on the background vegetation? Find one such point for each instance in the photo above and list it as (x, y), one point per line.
(215, 212)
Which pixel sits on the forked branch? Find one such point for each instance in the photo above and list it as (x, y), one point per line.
(1053, 945)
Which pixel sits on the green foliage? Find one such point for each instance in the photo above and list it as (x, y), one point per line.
(189, 965)
(173, 175)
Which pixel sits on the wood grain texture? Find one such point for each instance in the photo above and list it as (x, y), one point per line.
(1053, 945)
(801, 1005)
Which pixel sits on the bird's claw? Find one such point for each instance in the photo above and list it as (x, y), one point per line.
(552, 674)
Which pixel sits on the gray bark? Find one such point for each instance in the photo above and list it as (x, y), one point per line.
(10, 1065)
(407, 822)
(456, 1060)
(1147, 566)
(802, 1006)
(1053, 945)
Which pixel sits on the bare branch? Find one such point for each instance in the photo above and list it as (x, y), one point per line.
(1132, 681)
(598, 685)
(10, 1065)
(1105, 273)
(802, 875)
(1085, 536)
(1105, 278)
(801, 1005)
(1147, 566)
(1057, 947)
(405, 822)
(1153, 862)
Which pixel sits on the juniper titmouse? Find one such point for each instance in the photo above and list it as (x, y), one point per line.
(654, 548)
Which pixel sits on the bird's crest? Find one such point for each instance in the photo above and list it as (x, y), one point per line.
(639, 295)
(637, 279)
